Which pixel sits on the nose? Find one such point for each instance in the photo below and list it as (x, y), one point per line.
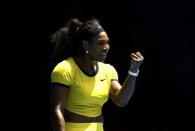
(106, 46)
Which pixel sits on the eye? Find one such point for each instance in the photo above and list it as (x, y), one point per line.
(103, 42)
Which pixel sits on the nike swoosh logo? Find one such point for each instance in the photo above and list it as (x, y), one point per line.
(102, 79)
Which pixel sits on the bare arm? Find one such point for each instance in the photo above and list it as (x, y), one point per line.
(57, 99)
(122, 94)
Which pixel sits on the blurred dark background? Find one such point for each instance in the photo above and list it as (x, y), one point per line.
(162, 30)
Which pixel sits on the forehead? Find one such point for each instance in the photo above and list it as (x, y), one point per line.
(101, 36)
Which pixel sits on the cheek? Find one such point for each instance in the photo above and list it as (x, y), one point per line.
(97, 49)
(96, 52)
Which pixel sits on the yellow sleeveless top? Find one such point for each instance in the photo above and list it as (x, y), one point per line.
(87, 94)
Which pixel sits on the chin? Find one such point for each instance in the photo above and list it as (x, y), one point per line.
(101, 59)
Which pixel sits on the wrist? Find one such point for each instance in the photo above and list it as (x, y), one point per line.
(133, 72)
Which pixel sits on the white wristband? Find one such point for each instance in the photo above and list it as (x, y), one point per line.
(133, 73)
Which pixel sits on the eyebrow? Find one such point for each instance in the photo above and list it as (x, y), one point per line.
(103, 39)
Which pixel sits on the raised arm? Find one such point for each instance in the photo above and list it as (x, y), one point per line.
(121, 94)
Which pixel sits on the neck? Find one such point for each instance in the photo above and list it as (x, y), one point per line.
(86, 61)
(87, 64)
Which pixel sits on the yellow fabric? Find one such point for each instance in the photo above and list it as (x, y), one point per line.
(83, 126)
(86, 94)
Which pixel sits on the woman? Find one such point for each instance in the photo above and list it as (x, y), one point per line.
(81, 82)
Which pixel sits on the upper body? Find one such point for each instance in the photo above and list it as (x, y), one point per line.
(82, 82)
(86, 92)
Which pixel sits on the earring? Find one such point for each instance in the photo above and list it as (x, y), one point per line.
(86, 51)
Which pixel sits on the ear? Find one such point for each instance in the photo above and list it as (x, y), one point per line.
(85, 44)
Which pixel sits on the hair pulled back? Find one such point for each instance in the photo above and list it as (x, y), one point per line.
(67, 41)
